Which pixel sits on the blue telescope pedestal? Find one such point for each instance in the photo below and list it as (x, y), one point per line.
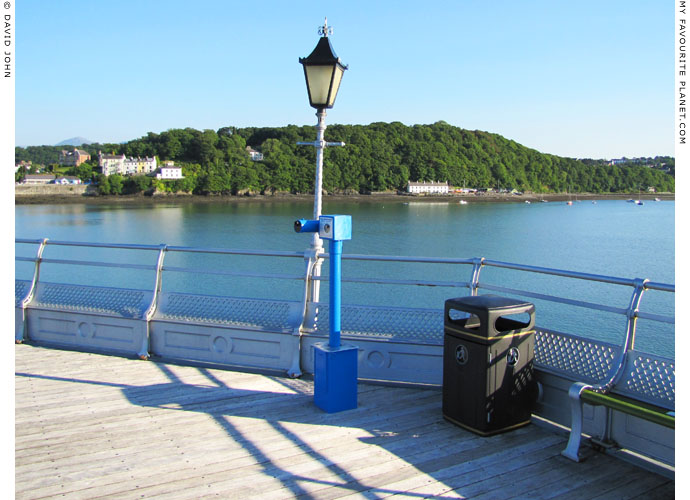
(335, 365)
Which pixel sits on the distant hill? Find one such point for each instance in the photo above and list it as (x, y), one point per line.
(74, 141)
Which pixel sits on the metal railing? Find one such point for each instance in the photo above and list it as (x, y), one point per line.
(474, 284)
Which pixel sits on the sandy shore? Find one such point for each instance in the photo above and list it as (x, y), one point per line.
(373, 198)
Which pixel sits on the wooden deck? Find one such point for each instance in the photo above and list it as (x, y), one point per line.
(92, 426)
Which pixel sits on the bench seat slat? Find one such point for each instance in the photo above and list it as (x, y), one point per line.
(630, 406)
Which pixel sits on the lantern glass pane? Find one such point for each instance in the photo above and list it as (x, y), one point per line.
(336, 84)
(319, 81)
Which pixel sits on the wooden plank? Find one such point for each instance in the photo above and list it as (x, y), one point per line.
(663, 492)
(625, 485)
(581, 483)
(93, 426)
(526, 483)
(168, 429)
(475, 481)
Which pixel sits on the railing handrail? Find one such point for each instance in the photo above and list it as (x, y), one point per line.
(235, 251)
(560, 272)
(650, 285)
(170, 248)
(398, 258)
(632, 311)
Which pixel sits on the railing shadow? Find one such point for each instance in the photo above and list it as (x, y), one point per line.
(428, 456)
(222, 402)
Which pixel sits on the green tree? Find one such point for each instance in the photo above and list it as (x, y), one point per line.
(103, 184)
(136, 184)
(116, 183)
(83, 171)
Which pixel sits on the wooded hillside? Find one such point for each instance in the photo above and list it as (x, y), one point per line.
(377, 157)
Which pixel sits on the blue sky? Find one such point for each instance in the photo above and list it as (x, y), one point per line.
(586, 79)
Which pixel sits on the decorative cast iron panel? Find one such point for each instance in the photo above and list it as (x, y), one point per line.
(650, 378)
(425, 325)
(21, 288)
(109, 301)
(583, 359)
(254, 313)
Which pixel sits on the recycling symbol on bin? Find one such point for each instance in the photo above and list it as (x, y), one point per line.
(513, 356)
(461, 354)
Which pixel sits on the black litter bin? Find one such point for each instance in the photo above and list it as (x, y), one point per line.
(488, 379)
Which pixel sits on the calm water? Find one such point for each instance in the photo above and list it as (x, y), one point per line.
(612, 238)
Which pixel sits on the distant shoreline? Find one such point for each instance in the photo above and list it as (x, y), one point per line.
(54, 199)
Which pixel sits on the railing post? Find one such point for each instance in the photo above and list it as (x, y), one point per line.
(633, 309)
(32, 291)
(146, 341)
(629, 343)
(311, 261)
(477, 264)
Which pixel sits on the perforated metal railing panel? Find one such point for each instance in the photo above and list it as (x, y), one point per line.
(21, 288)
(245, 312)
(396, 324)
(120, 302)
(583, 359)
(650, 379)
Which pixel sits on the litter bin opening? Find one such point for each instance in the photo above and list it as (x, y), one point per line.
(464, 319)
(512, 322)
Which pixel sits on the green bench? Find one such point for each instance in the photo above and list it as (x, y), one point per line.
(623, 396)
(645, 411)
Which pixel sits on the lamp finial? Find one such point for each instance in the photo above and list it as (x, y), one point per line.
(325, 30)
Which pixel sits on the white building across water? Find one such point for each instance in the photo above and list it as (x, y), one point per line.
(169, 171)
(428, 187)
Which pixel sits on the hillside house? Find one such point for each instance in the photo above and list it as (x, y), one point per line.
(254, 155)
(169, 172)
(111, 164)
(22, 164)
(74, 158)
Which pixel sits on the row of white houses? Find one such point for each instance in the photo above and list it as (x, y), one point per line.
(428, 187)
(120, 164)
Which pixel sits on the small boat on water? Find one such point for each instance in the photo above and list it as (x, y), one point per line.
(639, 202)
(528, 202)
(657, 199)
(631, 200)
(463, 202)
(569, 202)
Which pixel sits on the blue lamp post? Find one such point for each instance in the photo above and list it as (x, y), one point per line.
(335, 365)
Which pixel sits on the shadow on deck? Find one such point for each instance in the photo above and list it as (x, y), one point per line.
(89, 425)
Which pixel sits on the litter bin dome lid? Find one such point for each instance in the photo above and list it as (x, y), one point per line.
(487, 302)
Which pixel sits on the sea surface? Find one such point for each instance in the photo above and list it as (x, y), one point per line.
(610, 237)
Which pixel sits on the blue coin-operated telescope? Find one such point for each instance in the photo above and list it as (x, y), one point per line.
(335, 365)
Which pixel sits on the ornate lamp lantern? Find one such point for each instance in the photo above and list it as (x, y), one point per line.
(323, 71)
